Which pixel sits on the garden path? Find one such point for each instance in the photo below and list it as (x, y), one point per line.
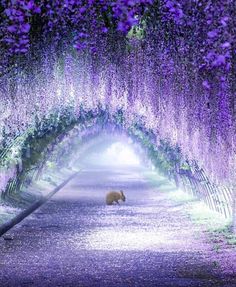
(76, 240)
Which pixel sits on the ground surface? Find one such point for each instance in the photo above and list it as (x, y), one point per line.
(76, 240)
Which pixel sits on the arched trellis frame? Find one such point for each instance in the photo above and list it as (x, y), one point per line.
(40, 144)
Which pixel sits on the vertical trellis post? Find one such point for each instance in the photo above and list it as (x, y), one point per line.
(234, 210)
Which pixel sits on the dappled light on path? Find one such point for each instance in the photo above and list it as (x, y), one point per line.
(127, 240)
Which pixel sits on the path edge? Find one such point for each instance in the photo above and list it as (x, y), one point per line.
(23, 214)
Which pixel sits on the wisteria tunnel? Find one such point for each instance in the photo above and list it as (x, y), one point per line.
(135, 96)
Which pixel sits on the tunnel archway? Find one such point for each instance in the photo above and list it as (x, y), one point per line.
(53, 140)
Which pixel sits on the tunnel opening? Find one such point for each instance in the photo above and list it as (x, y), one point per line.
(112, 152)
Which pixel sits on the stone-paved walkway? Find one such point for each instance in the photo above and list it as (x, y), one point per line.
(76, 240)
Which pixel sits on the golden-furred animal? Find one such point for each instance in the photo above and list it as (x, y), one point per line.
(114, 196)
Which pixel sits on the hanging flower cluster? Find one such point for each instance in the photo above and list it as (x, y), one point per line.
(16, 24)
(203, 30)
(86, 20)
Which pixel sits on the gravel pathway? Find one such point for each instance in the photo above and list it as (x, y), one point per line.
(76, 240)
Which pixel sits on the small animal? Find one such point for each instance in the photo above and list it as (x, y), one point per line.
(114, 196)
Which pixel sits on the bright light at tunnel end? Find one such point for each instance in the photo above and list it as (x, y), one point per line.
(119, 154)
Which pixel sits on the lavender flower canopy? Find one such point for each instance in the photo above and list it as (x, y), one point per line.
(171, 63)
